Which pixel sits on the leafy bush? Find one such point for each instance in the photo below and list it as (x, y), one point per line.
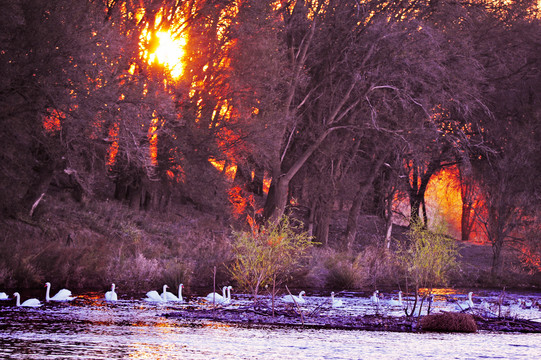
(343, 274)
(267, 254)
(428, 258)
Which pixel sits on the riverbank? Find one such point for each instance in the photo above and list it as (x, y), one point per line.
(91, 245)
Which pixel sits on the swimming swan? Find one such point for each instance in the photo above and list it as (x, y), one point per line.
(111, 295)
(290, 299)
(217, 298)
(154, 296)
(398, 302)
(62, 295)
(336, 302)
(27, 303)
(229, 288)
(468, 305)
(172, 297)
(3, 296)
(375, 297)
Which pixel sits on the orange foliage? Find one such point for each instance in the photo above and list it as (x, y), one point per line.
(530, 259)
(113, 149)
(52, 122)
(153, 140)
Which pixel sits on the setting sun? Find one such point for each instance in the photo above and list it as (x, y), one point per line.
(169, 53)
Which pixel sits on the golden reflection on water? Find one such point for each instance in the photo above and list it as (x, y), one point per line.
(165, 339)
(441, 291)
(215, 325)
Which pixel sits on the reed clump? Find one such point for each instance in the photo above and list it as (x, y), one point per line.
(449, 322)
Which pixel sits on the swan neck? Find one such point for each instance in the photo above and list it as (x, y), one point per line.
(18, 299)
(48, 292)
(180, 291)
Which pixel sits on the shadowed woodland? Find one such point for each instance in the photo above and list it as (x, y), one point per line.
(141, 138)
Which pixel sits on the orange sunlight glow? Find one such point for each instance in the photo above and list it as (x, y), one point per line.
(230, 170)
(169, 53)
(443, 194)
(163, 46)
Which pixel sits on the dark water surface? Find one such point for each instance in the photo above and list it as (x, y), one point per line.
(90, 328)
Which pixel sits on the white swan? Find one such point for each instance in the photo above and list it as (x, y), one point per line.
(398, 302)
(291, 299)
(172, 297)
(27, 303)
(217, 298)
(111, 295)
(62, 295)
(336, 302)
(464, 306)
(375, 297)
(154, 296)
(3, 296)
(229, 288)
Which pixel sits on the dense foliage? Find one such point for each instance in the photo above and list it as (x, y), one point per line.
(333, 104)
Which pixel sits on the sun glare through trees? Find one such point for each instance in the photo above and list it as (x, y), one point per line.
(169, 52)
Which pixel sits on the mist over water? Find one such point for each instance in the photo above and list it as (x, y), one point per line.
(91, 328)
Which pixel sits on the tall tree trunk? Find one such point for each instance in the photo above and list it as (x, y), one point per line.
(323, 211)
(466, 221)
(418, 185)
(389, 219)
(467, 218)
(497, 263)
(277, 201)
(354, 211)
(353, 215)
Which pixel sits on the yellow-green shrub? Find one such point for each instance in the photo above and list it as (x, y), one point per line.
(267, 253)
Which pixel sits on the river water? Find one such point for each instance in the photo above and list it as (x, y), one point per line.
(90, 328)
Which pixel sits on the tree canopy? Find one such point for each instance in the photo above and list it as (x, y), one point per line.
(331, 104)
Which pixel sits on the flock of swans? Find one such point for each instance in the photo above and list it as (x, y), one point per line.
(61, 295)
(111, 295)
(376, 300)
